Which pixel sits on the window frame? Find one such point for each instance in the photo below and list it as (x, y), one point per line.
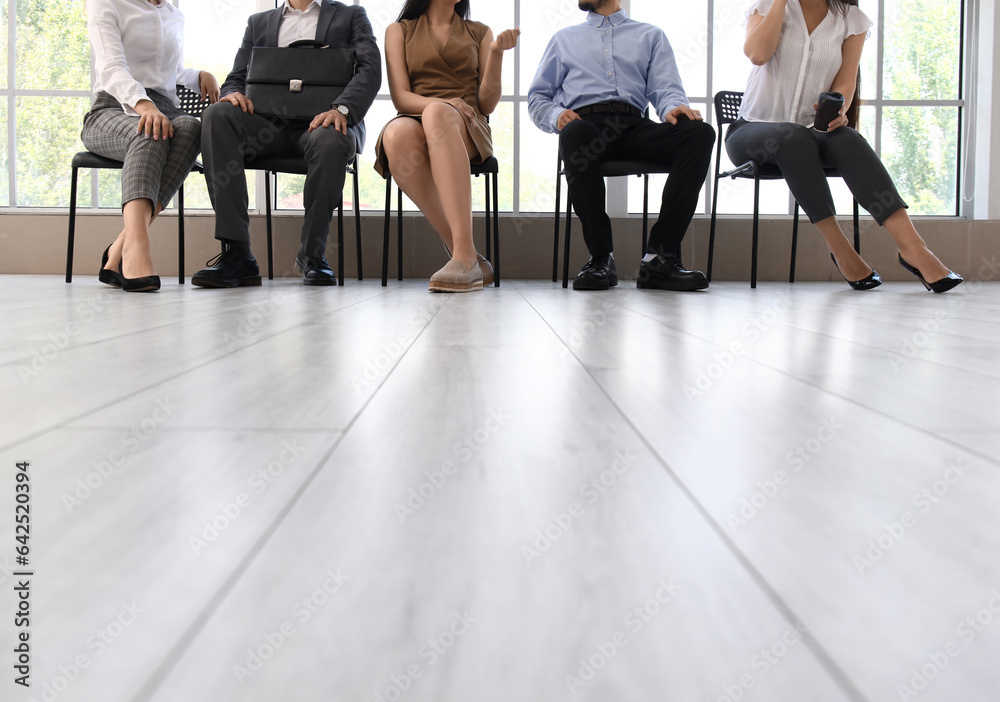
(617, 190)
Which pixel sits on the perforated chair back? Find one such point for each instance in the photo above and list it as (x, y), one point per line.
(727, 107)
(191, 102)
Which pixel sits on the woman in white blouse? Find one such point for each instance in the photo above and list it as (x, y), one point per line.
(135, 118)
(801, 48)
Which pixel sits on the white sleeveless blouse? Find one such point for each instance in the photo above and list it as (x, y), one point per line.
(785, 88)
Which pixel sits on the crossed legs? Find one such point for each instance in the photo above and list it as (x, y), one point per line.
(802, 153)
(429, 160)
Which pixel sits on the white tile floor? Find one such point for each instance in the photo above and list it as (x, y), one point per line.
(526, 494)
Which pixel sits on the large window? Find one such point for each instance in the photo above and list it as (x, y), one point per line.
(911, 88)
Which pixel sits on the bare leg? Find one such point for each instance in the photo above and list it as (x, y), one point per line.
(136, 261)
(912, 246)
(406, 147)
(449, 147)
(115, 253)
(851, 265)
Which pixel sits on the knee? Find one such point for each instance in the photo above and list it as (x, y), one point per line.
(138, 143)
(403, 135)
(440, 120)
(575, 134)
(220, 113)
(326, 143)
(186, 125)
(702, 134)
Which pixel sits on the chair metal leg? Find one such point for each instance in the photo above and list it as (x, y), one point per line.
(496, 230)
(357, 219)
(399, 233)
(711, 229)
(645, 213)
(71, 237)
(270, 251)
(555, 233)
(795, 243)
(488, 216)
(340, 243)
(180, 235)
(857, 228)
(569, 222)
(715, 206)
(756, 224)
(385, 234)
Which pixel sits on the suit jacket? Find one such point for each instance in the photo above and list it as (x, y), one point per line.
(339, 26)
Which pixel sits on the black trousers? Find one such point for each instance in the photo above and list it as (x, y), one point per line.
(801, 153)
(231, 137)
(685, 148)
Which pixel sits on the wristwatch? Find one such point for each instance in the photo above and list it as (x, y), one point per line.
(342, 109)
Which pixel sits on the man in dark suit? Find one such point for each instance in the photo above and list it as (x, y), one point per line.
(233, 134)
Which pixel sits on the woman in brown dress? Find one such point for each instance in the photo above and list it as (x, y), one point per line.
(444, 77)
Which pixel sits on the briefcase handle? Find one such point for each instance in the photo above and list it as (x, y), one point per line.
(307, 44)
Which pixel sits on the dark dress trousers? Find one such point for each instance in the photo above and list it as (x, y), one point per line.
(231, 138)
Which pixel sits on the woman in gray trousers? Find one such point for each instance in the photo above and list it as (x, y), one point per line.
(800, 49)
(135, 118)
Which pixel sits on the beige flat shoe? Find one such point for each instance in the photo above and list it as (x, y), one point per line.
(455, 277)
(484, 265)
(487, 270)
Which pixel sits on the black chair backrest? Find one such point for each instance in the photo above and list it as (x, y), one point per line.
(191, 102)
(727, 107)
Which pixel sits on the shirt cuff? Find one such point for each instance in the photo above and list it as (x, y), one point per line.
(190, 78)
(554, 118)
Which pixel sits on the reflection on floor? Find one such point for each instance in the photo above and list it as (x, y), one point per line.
(525, 494)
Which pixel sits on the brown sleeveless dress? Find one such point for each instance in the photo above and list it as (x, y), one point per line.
(448, 74)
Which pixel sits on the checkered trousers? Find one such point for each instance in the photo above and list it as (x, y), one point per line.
(154, 169)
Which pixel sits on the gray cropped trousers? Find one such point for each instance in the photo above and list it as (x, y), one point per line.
(801, 153)
(154, 168)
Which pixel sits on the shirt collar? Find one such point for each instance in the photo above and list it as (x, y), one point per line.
(287, 8)
(597, 20)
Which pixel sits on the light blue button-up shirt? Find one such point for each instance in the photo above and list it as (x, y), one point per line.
(605, 59)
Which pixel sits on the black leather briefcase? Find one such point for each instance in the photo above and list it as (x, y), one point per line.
(299, 81)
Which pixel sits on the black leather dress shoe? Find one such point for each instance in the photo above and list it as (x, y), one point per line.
(230, 269)
(315, 270)
(597, 274)
(666, 272)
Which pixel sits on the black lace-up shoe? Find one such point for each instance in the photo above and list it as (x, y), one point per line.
(230, 269)
(315, 270)
(597, 274)
(666, 272)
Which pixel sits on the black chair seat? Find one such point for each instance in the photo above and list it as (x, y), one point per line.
(616, 169)
(609, 169)
(86, 159)
(490, 165)
(727, 110)
(192, 104)
(768, 172)
(278, 164)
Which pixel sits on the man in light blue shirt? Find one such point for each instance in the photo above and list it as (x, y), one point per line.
(593, 86)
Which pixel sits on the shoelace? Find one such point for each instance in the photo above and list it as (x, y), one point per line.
(218, 258)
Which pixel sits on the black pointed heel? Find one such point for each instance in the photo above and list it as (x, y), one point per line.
(872, 281)
(147, 283)
(107, 276)
(938, 286)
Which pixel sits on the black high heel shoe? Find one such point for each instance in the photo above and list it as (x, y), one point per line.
(872, 281)
(106, 275)
(147, 283)
(938, 286)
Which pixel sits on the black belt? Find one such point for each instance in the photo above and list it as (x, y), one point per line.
(621, 107)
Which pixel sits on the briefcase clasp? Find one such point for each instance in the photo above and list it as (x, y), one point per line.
(295, 86)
